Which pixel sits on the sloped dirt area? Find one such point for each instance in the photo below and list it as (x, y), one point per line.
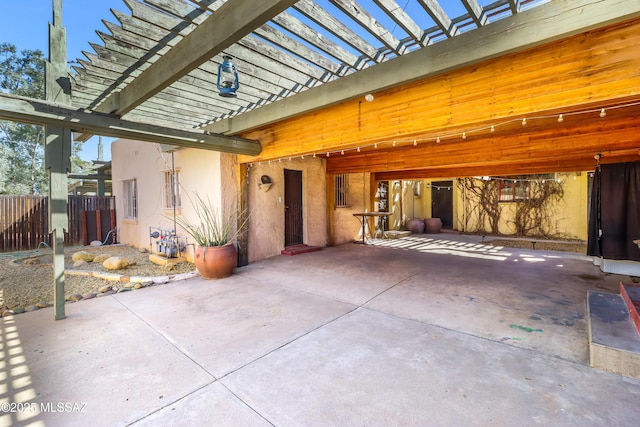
(26, 278)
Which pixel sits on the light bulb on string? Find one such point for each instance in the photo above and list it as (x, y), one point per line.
(358, 150)
(524, 121)
(342, 152)
(314, 155)
(438, 140)
(464, 135)
(375, 145)
(394, 144)
(328, 155)
(493, 129)
(603, 113)
(560, 118)
(415, 142)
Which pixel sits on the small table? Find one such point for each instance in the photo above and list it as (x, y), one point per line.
(369, 215)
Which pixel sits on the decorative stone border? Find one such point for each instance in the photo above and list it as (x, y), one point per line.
(126, 283)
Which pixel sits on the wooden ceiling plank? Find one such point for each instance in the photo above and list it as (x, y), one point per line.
(231, 22)
(27, 110)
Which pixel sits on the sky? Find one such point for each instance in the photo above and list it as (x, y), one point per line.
(26, 25)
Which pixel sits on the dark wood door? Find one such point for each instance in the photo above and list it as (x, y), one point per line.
(442, 202)
(293, 232)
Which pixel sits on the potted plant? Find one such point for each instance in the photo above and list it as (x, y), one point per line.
(214, 233)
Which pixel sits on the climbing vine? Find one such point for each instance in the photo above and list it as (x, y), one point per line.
(532, 216)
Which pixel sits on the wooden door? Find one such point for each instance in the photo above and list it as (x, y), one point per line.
(442, 202)
(293, 231)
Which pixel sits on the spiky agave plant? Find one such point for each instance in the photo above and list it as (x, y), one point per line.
(210, 228)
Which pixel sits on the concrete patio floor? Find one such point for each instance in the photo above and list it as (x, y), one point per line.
(439, 330)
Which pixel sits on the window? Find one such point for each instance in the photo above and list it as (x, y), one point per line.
(513, 190)
(341, 191)
(130, 190)
(171, 185)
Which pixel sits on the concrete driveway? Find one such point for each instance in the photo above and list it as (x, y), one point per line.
(439, 330)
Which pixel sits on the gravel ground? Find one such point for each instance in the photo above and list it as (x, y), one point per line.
(26, 278)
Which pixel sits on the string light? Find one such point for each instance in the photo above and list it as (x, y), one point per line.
(560, 118)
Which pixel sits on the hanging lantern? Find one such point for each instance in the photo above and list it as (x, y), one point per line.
(227, 78)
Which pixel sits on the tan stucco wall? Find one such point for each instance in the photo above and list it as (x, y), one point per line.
(266, 225)
(347, 227)
(211, 174)
(570, 217)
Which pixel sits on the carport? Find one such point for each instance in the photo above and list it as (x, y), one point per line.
(451, 332)
(399, 93)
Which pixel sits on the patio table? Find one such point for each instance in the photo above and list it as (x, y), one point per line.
(365, 216)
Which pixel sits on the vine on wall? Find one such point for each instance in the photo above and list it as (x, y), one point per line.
(532, 216)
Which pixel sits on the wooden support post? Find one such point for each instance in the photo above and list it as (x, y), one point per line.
(58, 153)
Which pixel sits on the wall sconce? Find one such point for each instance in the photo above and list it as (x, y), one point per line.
(265, 183)
(227, 78)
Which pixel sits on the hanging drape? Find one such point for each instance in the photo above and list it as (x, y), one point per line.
(614, 220)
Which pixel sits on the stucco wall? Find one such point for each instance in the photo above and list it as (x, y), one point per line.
(570, 215)
(266, 225)
(200, 171)
(346, 227)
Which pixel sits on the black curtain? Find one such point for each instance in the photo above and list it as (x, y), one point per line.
(614, 220)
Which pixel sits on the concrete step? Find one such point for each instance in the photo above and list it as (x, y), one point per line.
(614, 343)
(299, 249)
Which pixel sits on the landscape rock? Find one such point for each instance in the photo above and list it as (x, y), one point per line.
(104, 294)
(74, 297)
(124, 290)
(31, 308)
(89, 295)
(31, 261)
(80, 263)
(82, 255)
(104, 289)
(116, 263)
(102, 258)
(41, 305)
(143, 250)
(95, 243)
(169, 266)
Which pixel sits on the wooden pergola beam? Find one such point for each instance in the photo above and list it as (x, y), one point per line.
(538, 26)
(229, 24)
(26, 110)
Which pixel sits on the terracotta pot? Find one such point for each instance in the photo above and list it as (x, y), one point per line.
(216, 262)
(432, 225)
(416, 226)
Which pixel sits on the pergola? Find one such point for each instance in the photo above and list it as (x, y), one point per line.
(154, 78)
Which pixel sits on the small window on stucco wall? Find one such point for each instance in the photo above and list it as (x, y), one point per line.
(342, 191)
(171, 185)
(130, 191)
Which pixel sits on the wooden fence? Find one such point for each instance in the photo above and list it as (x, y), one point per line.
(24, 220)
